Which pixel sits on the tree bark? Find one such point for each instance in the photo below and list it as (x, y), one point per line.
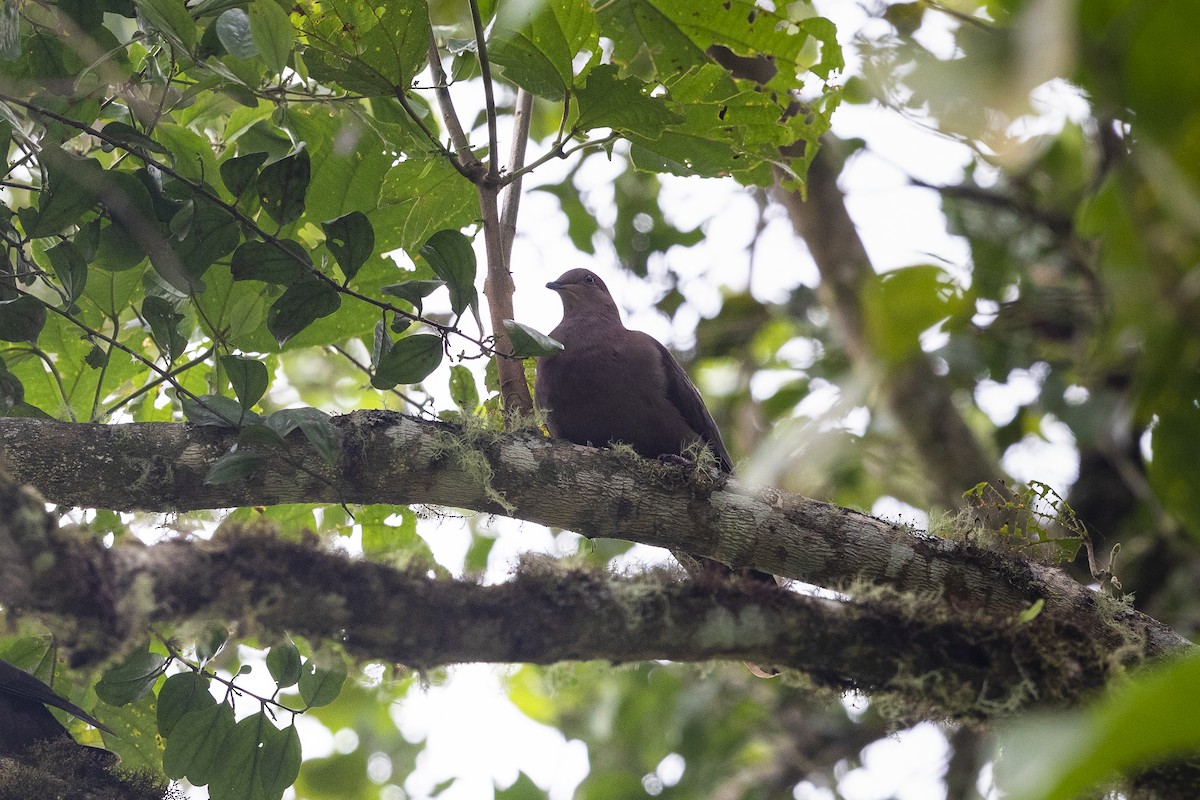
(914, 603)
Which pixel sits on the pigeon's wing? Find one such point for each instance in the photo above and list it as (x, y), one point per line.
(18, 683)
(684, 395)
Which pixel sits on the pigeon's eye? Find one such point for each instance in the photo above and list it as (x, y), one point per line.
(590, 279)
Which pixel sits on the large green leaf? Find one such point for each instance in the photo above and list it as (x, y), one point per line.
(366, 47)
(301, 304)
(409, 360)
(194, 748)
(536, 43)
(1148, 721)
(282, 187)
(452, 258)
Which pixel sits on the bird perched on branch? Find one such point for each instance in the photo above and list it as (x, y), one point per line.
(24, 718)
(611, 384)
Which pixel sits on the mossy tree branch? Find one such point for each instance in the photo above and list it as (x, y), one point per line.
(390, 458)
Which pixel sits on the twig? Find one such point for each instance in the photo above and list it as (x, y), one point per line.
(516, 160)
(446, 103)
(485, 69)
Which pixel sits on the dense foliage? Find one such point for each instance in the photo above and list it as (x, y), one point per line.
(237, 213)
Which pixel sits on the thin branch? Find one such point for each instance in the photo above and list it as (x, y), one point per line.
(516, 160)
(167, 377)
(485, 68)
(446, 103)
(558, 151)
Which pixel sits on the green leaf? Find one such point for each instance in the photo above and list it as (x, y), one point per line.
(273, 34)
(409, 360)
(217, 411)
(239, 172)
(72, 184)
(12, 391)
(368, 48)
(319, 687)
(170, 18)
(212, 235)
(281, 758)
(261, 261)
(623, 104)
(1147, 721)
(131, 679)
(283, 662)
(317, 427)
(164, 326)
(462, 388)
(181, 693)
(899, 306)
(528, 343)
(248, 376)
(282, 187)
(231, 467)
(300, 305)
(129, 138)
(70, 268)
(536, 43)
(414, 291)
(233, 29)
(21, 319)
(453, 260)
(351, 239)
(418, 198)
(193, 750)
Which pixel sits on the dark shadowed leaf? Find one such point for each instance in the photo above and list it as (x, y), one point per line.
(195, 744)
(414, 291)
(283, 185)
(351, 239)
(319, 687)
(231, 467)
(164, 326)
(248, 376)
(237, 173)
(216, 411)
(262, 261)
(70, 268)
(299, 306)
(453, 260)
(21, 319)
(316, 425)
(283, 662)
(409, 360)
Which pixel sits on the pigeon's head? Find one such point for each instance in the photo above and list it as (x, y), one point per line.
(583, 292)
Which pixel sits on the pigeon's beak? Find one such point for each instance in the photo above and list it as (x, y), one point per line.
(555, 285)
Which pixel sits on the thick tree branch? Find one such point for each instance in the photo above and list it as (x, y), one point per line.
(967, 667)
(389, 458)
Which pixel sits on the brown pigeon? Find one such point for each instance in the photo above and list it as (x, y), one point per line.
(610, 384)
(613, 385)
